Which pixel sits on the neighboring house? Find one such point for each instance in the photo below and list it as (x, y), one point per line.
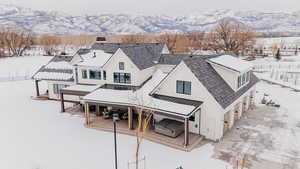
(206, 93)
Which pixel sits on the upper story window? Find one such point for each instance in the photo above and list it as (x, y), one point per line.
(122, 78)
(183, 87)
(243, 79)
(94, 74)
(121, 66)
(84, 74)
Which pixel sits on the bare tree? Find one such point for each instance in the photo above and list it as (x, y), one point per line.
(228, 36)
(138, 38)
(194, 40)
(50, 44)
(16, 40)
(170, 39)
(144, 118)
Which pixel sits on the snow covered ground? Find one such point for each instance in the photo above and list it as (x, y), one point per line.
(14, 68)
(35, 135)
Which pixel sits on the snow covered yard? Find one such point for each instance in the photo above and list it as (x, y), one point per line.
(271, 136)
(35, 135)
(16, 68)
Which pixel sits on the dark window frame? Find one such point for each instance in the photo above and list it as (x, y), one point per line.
(183, 87)
(121, 66)
(123, 78)
(95, 74)
(84, 74)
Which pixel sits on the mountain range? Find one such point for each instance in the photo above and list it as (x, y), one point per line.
(58, 23)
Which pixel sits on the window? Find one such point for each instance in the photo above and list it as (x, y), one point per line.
(84, 74)
(122, 78)
(104, 75)
(57, 87)
(121, 65)
(183, 87)
(95, 74)
(243, 79)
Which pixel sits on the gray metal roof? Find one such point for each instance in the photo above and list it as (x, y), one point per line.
(59, 58)
(214, 83)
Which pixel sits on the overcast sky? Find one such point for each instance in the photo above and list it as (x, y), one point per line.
(168, 7)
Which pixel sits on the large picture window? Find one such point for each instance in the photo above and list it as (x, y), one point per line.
(94, 74)
(122, 78)
(183, 87)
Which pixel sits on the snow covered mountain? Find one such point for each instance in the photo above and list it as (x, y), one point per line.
(44, 22)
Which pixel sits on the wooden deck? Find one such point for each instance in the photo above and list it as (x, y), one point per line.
(98, 123)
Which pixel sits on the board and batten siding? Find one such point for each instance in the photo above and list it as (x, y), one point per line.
(211, 112)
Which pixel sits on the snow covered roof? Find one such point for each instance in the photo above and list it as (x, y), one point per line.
(59, 65)
(141, 97)
(82, 88)
(95, 58)
(58, 68)
(53, 76)
(232, 63)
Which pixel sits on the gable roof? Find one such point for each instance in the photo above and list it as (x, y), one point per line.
(58, 68)
(213, 82)
(143, 55)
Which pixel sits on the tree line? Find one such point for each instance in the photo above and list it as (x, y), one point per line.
(226, 36)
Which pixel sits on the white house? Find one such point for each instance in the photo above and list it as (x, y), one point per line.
(206, 94)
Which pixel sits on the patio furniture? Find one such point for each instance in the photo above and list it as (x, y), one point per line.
(106, 114)
(169, 128)
(125, 116)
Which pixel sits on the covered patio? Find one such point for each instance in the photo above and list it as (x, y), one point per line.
(99, 123)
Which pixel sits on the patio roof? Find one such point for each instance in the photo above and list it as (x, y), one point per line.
(80, 90)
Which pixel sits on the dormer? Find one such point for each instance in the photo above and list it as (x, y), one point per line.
(234, 71)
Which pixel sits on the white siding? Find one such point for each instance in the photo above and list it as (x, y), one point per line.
(52, 95)
(137, 76)
(211, 111)
(229, 76)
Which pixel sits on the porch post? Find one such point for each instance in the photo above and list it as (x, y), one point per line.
(62, 102)
(130, 119)
(186, 132)
(37, 88)
(87, 106)
(97, 108)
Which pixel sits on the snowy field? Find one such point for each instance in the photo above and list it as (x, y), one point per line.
(16, 68)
